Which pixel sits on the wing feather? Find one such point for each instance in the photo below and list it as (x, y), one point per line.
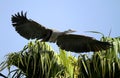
(29, 28)
(80, 43)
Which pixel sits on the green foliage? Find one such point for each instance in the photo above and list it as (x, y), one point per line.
(35, 60)
(103, 64)
(38, 60)
(69, 62)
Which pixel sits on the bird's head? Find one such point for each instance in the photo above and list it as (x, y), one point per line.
(69, 31)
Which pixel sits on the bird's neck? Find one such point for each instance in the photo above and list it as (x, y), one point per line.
(54, 36)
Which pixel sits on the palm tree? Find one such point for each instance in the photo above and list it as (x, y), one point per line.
(38, 60)
(104, 64)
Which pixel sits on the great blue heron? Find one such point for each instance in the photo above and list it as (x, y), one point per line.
(30, 29)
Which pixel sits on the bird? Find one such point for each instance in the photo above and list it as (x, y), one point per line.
(65, 40)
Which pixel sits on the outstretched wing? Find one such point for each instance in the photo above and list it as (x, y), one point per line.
(29, 29)
(79, 43)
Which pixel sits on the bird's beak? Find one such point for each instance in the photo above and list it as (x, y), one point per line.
(70, 31)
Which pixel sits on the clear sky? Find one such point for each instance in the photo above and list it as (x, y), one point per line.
(79, 15)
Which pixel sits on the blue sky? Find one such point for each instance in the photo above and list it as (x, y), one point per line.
(79, 15)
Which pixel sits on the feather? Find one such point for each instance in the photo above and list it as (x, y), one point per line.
(30, 29)
(80, 43)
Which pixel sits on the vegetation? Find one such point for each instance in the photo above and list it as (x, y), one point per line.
(38, 60)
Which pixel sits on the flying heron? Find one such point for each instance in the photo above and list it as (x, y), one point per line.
(30, 29)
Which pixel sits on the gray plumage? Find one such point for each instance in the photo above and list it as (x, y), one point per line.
(30, 29)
